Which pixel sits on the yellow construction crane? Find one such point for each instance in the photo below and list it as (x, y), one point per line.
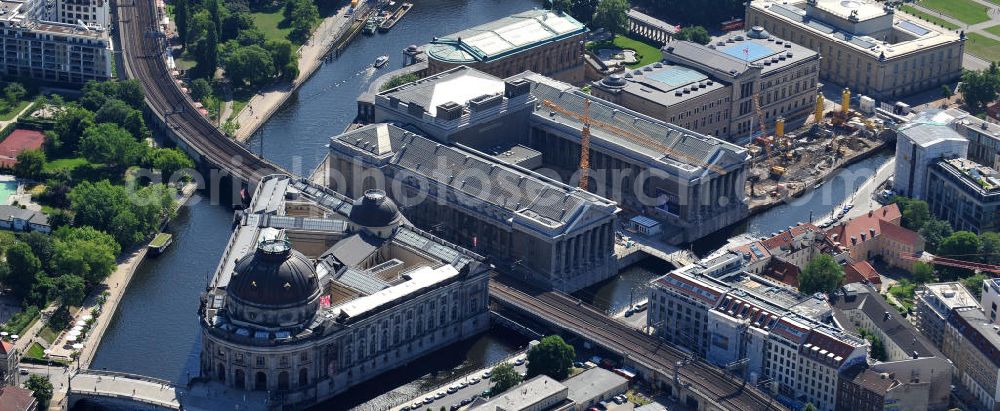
(587, 122)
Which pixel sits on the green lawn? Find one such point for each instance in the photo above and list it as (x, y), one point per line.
(995, 30)
(968, 11)
(647, 53)
(982, 46)
(271, 23)
(35, 350)
(9, 114)
(929, 17)
(68, 164)
(48, 334)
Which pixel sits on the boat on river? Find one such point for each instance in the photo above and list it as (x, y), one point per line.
(381, 61)
(160, 243)
(394, 17)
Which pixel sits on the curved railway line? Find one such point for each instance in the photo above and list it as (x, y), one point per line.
(705, 379)
(143, 45)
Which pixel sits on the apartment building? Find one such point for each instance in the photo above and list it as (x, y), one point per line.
(38, 45)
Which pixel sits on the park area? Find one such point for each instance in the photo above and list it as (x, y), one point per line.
(983, 47)
(928, 17)
(618, 50)
(968, 11)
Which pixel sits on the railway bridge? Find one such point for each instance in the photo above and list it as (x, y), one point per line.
(226, 166)
(695, 383)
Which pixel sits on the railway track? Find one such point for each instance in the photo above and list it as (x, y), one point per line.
(143, 44)
(650, 351)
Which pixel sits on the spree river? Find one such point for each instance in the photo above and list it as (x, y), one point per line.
(155, 330)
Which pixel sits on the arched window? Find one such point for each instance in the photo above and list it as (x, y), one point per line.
(239, 379)
(260, 381)
(303, 377)
(283, 380)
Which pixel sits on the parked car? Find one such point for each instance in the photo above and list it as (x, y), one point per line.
(440, 395)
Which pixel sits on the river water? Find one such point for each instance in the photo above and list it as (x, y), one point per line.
(155, 331)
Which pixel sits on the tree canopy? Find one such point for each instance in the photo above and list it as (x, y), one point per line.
(934, 232)
(696, 34)
(979, 87)
(552, 357)
(30, 164)
(611, 16)
(821, 275)
(41, 389)
(962, 245)
(504, 377)
(128, 215)
(106, 143)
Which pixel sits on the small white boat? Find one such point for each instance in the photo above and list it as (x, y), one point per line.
(381, 61)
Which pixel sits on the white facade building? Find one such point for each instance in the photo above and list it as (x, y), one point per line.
(919, 144)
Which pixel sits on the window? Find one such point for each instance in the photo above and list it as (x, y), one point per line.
(260, 360)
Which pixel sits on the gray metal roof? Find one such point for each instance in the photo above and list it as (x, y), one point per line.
(35, 217)
(478, 177)
(353, 250)
(704, 55)
(690, 150)
(592, 383)
(924, 132)
(362, 281)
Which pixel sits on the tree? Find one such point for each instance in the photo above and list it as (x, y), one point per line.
(934, 232)
(250, 64)
(504, 377)
(41, 388)
(915, 214)
(200, 88)
(85, 253)
(14, 92)
(71, 289)
(922, 272)
(235, 24)
(30, 164)
(974, 283)
(113, 111)
(283, 55)
(562, 5)
(877, 346)
(213, 10)
(24, 270)
(208, 52)
(979, 88)
(821, 275)
(130, 91)
(181, 14)
(990, 248)
(809, 407)
(961, 245)
(302, 16)
(399, 81)
(583, 10)
(946, 91)
(41, 245)
(552, 357)
(107, 143)
(69, 127)
(697, 34)
(611, 16)
(127, 215)
(169, 161)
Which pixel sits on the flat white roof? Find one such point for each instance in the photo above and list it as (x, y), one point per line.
(419, 279)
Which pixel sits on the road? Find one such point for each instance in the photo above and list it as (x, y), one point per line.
(471, 391)
(863, 199)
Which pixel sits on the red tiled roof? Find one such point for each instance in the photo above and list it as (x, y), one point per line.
(16, 399)
(786, 237)
(900, 234)
(18, 141)
(875, 220)
(861, 272)
(831, 345)
(745, 249)
(783, 271)
(6, 347)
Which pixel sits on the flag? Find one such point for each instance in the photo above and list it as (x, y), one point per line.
(324, 301)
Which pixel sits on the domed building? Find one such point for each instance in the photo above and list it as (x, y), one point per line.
(317, 293)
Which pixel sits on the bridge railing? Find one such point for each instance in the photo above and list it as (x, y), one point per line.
(137, 377)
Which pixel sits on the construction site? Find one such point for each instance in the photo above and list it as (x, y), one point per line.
(788, 164)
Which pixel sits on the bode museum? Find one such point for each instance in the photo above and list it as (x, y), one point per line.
(317, 293)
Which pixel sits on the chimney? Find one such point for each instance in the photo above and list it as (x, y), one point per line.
(863, 236)
(870, 212)
(854, 240)
(872, 231)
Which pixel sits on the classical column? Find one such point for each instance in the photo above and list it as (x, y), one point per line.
(564, 255)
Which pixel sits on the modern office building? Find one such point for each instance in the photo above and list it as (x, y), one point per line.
(965, 194)
(710, 88)
(36, 44)
(92, 13)
(934, 303)
(559, 236)
(542, 41)
(316, 293)
(921, 372)
(983, 136)
(736, 319)
(919, 144)
(866, 45)
(690, 182)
